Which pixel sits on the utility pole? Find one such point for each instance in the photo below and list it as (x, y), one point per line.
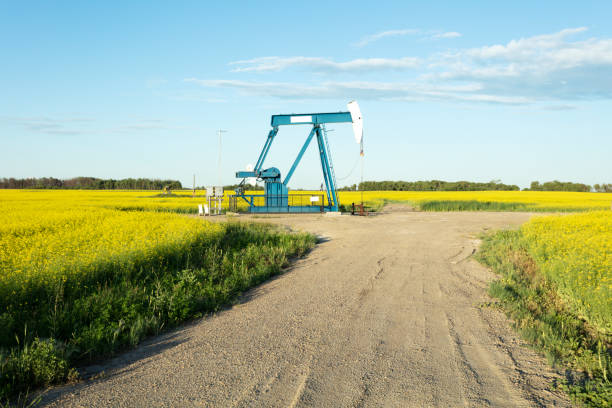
(194, 184)
(219, 161)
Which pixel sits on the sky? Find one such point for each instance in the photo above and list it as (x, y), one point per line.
(474, 90)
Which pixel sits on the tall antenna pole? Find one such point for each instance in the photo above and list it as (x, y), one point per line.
(219, 161)
(361, 184)
(362, 155)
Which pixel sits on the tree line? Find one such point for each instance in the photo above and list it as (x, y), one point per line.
(90, 183)
(603, 188)
(432, 185)
(558, 186)
(495, 185)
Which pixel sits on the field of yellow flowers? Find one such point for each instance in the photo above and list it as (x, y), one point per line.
(84, 273)
(483, 200)
(556, 284)
(43, 248)
(575, 252)
(184, 202)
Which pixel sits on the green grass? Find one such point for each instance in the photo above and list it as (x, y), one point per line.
(545, 321)
(44, 344)
(471, 205)
(468, 205)
(474, 205)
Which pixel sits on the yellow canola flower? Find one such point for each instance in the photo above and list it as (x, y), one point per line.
(50, 238)
(575, 252)
(42, 201)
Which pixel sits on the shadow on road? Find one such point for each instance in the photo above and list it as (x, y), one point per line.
(139, 357)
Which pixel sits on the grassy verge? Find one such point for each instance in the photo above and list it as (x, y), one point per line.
(43, 342)
(471, 205)
(544, 319)
(376, 205)
(474, 205)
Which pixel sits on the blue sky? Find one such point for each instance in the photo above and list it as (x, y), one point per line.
(518, 91)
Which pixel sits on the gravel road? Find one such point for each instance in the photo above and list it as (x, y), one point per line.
(387, 311)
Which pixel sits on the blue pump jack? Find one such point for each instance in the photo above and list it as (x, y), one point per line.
(276, 197)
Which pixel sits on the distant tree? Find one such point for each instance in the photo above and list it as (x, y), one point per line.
(434, 185)
(557, 185)
(89, 183)
(603, 188)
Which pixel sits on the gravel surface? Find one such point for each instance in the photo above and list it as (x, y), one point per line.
(387, 311)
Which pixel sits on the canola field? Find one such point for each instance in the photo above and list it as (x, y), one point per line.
(51, 234)
(540, 201)
(556, 285)
(575, 252)
(40, 248)
(86, 273)
(184, 202)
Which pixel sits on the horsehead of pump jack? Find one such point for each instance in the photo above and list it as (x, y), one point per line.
(276, 195)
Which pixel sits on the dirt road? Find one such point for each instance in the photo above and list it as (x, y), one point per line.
(385, 312)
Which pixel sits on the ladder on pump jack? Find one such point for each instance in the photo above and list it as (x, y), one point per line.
(276, 197)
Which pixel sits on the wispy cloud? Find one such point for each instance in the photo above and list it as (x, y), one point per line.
(264, 64)
(82, 126)
(448, 34)
(47, 125)
(551, 69)
(423, 34)
(530, 47)
(384, 34)
(549, 66)
(409, 91)
(559, 107)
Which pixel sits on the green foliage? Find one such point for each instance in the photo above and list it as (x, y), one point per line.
(90, 183)
(474, 205)
(120, 309)
(543, 319)
(37, 363)
(559, 186)
(603, 188)
(433, 185)
(471, 205)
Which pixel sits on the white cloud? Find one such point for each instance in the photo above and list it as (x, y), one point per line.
(559, 107)
(362, 90)
(550, 66)
(383, 34)
(429, 34)
(526, 48)
(323, 64)
(551, 69)
(448, 34)
(47, 125)
(82, 126)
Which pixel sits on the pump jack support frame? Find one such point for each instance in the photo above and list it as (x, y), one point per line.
(277, 192)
